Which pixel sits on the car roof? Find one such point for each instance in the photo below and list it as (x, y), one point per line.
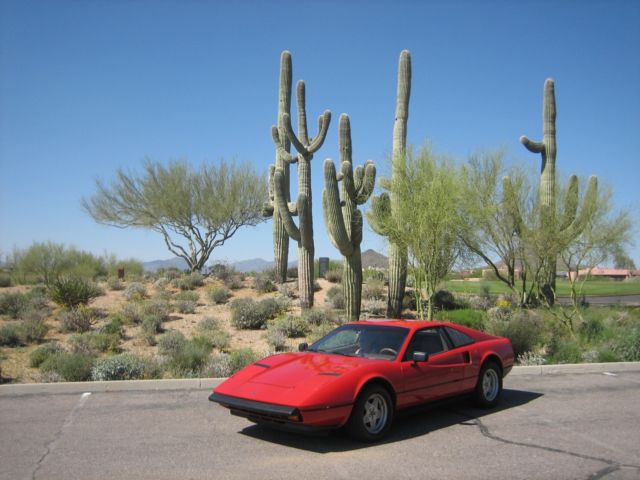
(411, 324)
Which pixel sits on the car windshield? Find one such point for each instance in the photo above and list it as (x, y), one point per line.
(368, 341)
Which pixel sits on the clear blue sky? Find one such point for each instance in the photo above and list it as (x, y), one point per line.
(90, 86)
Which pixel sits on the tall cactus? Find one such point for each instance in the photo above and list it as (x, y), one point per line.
(283, 159)
(570, 225)
(383, 205)
(343, 219)
(306, 147)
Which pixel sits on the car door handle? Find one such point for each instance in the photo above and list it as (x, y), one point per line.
(466, 357)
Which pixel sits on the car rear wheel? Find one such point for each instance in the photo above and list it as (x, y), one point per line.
(489, 386)
(372, 414)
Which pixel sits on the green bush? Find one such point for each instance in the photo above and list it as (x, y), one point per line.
(73, 291)
(72, 367)
(32, 328)
(10, 335)
(468, 317)
(190, 361)
(187, 295)
(225, 365)
(444, 300)
(79, 319)
(263, 283)
(218, 295)
(115, 284)
(292, 272)
(125, 366)
(628, 346)
(189, 282)
(135, 291)
(291, 326)
(5, 280)
(592, 329)
(217, 337)
(564, 349)
(276, 339)
(186, 306)
(246, 313)
(13, 304)
(171, 343)
(93, 343)
(156, 307)
(131, 312)
(113, 327)
(234, 282)
(524, 329)
(40, 354)
(375, 307)
(316, 316)
(378, 274)
(333, 276)
(335, 298)
(287, 290)
(373, 289)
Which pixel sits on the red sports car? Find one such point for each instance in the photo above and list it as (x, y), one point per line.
(362, 372)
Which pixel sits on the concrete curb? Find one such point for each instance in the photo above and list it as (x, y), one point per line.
(210, 383)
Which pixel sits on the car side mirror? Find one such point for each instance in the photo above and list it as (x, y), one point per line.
(420, 357)
(303, 347)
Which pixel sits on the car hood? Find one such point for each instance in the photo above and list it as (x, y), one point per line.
(291, 379)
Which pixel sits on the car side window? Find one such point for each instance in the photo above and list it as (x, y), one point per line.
(458, 338)
(429, 341)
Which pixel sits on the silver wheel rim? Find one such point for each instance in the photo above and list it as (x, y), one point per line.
(490, 384)
(375, 413)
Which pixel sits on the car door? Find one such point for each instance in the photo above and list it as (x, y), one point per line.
(440, 376)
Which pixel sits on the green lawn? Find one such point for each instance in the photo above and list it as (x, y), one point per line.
(592, 287)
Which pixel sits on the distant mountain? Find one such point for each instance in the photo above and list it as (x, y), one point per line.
(373, 259)
(175, 262)
(253, 265)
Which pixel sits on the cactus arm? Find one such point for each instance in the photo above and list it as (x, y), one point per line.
(323, 127)
(358, 175)
(380, 213)
(368, 183)
(334, 219)
(589, 205)
(286, 156)
(346, 170)
(306, 228)
(570, 203)
(297, 144)
(533, 147)
(302, 113)
(356, 227)
(283, 208)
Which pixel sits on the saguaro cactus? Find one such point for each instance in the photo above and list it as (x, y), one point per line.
(570, 225)
(306, 147)
(343, 218)
(283, 159)
(383, 205)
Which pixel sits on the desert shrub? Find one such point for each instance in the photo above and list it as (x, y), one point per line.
(291, 326)
(171, 343)
(189, 282)
(444, 300)
(564, 349)
(480, 302)
(287, 290)
(125, 366)
(13, 304)
(376, 273)
(190, 360)
(187, 295)
(333, 276)
(246, 313)
(592, 329)
(10, 335)
(524, 329)
(335, 298)
(5, 280)
(527, 359)
(505, 301)
(135, 291)
(316, 316)
(217, 294)
(606, 355)
(467, 317)
(222, 271)
(225, 365)
(73, 291)
(234, 282)
(93, 343)
(32, 328)
(276, 339)
(71, 367)
(627, 347)
(409, 300)
(263, 283)
(79, 319)
(210, 329)
(131, 312)
(292, 272)
(375, 307)
(161, 283)
(40, 354)
(186, 306)
(499, 314)
(150, 326)
(115, 284)
(156, 307)
(373, 289)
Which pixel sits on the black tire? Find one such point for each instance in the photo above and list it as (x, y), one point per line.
(372, 414)
(489, 387)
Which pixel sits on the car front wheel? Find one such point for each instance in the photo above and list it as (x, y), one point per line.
(372, 414)
(489, 386)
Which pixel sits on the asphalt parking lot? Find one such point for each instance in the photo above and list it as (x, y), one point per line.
(562, 426)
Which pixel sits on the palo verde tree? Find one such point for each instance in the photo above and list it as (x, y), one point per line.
(427, 221)
(343, 219)
(195, 211)
(306, 146)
